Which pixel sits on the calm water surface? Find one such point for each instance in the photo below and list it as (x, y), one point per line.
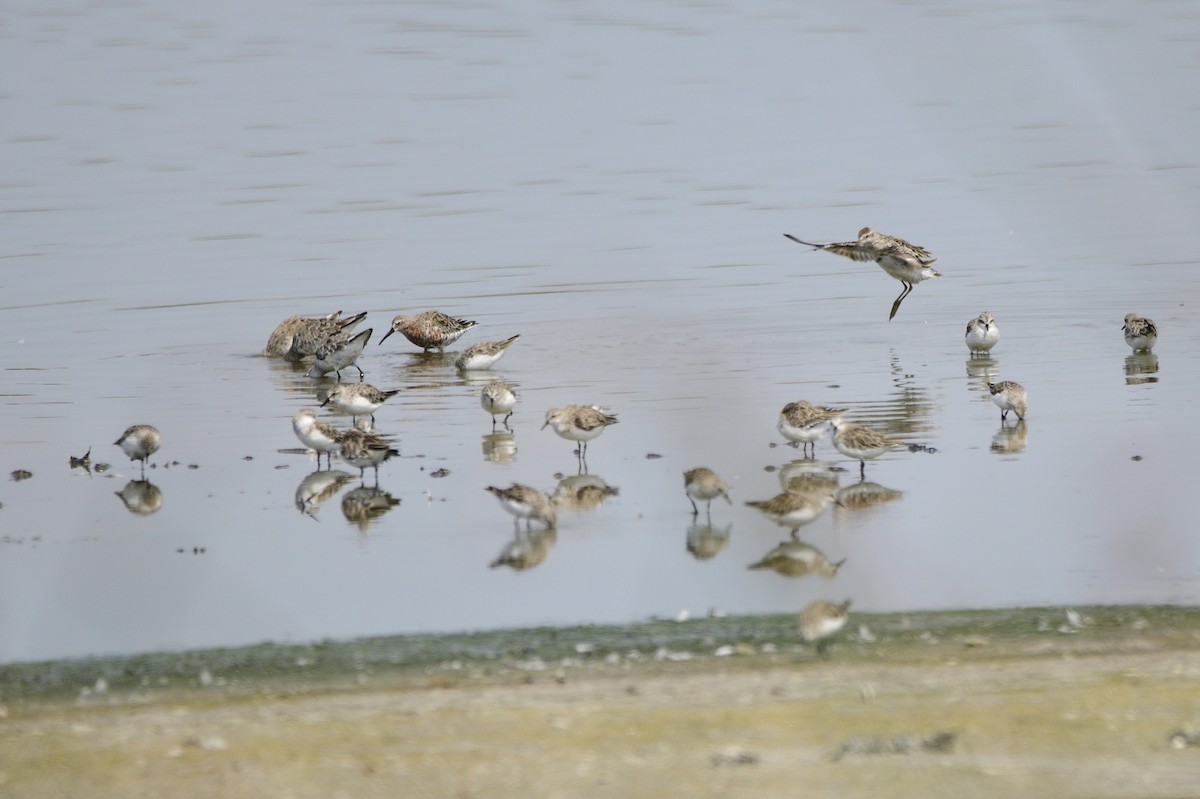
(610, 181)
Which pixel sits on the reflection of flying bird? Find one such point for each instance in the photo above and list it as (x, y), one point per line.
(139, 442)
(527, 503)
(483, 355)
(793, 509)
(527, 549)
(820, 620)
(704, 540)
(801, 422)
(798, 559)
(362, 506)
(982, 333)
(703, 483)
(1140, 333)
(906, 262)
(430, 329)
(862, 443)
(141, 497)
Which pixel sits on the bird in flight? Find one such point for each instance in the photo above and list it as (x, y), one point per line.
(906, 262)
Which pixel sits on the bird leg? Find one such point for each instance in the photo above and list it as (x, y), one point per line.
(900, 299)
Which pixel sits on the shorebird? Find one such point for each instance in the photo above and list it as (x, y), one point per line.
(338, 352)
(1140, 332)
(820, 620)
(801, 422)
(703, 483)
(1009, 396)
(525, 503)
(982, 333)
(579, 423)
(498, 397)
(366, 450)
(317, 435)
(795, 509)
(301, 337)
(906, 262)
(358, 399)
(139, 441)
(861, 443)
(430, 329)
(483, 355)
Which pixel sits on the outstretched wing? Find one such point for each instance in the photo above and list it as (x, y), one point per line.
(850, 249)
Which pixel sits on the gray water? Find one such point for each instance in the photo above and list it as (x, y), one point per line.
(610, 181)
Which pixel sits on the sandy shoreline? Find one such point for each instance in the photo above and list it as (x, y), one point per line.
(1006, 703)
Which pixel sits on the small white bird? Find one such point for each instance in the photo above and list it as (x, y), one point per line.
(703, 483)
(982, 333)
(820, 620)
(527, 503)
(579, 423)
(1009, 396)
(483, 355)
(140, 441)
(498, 397)
(317, 435)
(358, 399)
(801, 422)
(1140, 333)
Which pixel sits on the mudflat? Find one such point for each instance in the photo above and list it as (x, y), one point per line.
(1099, 702)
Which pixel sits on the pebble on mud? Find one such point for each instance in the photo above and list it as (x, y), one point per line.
(734, 756)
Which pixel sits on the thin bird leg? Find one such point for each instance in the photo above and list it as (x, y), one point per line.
(900, 299)
(862, 470)
(695, 510)
(361, 374)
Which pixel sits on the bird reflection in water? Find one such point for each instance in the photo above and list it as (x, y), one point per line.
(1141, 367)
(582, 492)
(704, 540)
(319, 486)
(499, 447)
(141, 497)
(527, 549)
(797, 559)
(864, 494)
(363, 505)
(1010, 440)
(981, 370)
(807, 474)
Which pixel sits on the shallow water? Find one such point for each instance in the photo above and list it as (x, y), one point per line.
(611, 182)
